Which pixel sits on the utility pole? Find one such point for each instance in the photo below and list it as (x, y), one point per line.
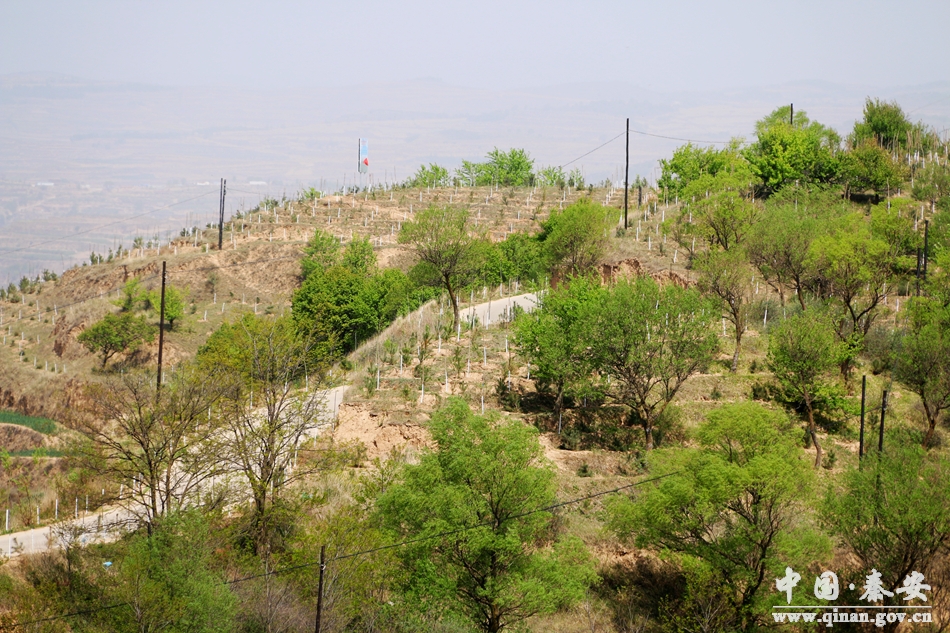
(864, 387)
(224, 191)
(880, 437)
(791, 114)
(323, 566)
(626, 177)
(926, 237)
(161, 334)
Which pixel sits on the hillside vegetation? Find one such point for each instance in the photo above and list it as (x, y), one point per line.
(752, 375)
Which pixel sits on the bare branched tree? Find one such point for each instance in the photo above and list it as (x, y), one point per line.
(280, 409)
(157, 449)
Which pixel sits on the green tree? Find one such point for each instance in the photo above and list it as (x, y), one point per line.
(802, 349)
(513, 168)
(524, 255)
(922, 359)
(352, 300)
(432, 176)
(322, 252)
(480, 539)
(804, 151)
(553, 339)
(725, 218)
(728, 276)
(932, 183)
(132, 294)
(553, 176)
(442, 238)
(884, 123)
(854, 268)
(169, 582)
(576, 238)
(692, 171)
(894, 515)
(893, 223)
(870, 167)
(174, 303)
(731, 508)
(649, 340)
(115, 334)
(778, 248)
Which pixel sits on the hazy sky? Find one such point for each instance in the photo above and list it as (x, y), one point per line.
(664, 45)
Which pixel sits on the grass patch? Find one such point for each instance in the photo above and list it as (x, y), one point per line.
(37, 452)
(41, 425)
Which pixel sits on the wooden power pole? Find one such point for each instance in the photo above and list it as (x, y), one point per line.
(626, 177)
(323, 566)
(224, 191)
(161, 334)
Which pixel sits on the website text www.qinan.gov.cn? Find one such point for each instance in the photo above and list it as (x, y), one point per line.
(830, 618)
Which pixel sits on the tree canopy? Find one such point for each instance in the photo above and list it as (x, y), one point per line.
(474, 511)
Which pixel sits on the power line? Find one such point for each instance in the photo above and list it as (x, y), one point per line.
(592, 151)
(63, 616)
(101, 226)
(940, 100)
(284, 570)
(676, 138)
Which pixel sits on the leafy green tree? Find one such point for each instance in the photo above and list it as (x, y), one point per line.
(894, 224)
(322, 251)
(553, 339)
(359, 257)
(116, 334)
(730, 508)
(471, 173)
(480, 542)
(132, 294)
(442, 238)
(725, 218)
(870, 167)
(884, 123)
(575, 179)
(553, 176)
(432, 176)
(524, 255)
(649, 340)
(169, 582)
(853, 268)
(778, 248)
(513, 168)
(922, 359)
(576, 238)
(894, 515)
(802, 349)
(350, 299)
(174, 303)
(932, 183)
(804, 151)
(728, 276)
(330, 300)
(692, 171)
(165, 581)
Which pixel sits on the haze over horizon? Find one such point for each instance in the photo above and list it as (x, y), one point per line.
(126, 106)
